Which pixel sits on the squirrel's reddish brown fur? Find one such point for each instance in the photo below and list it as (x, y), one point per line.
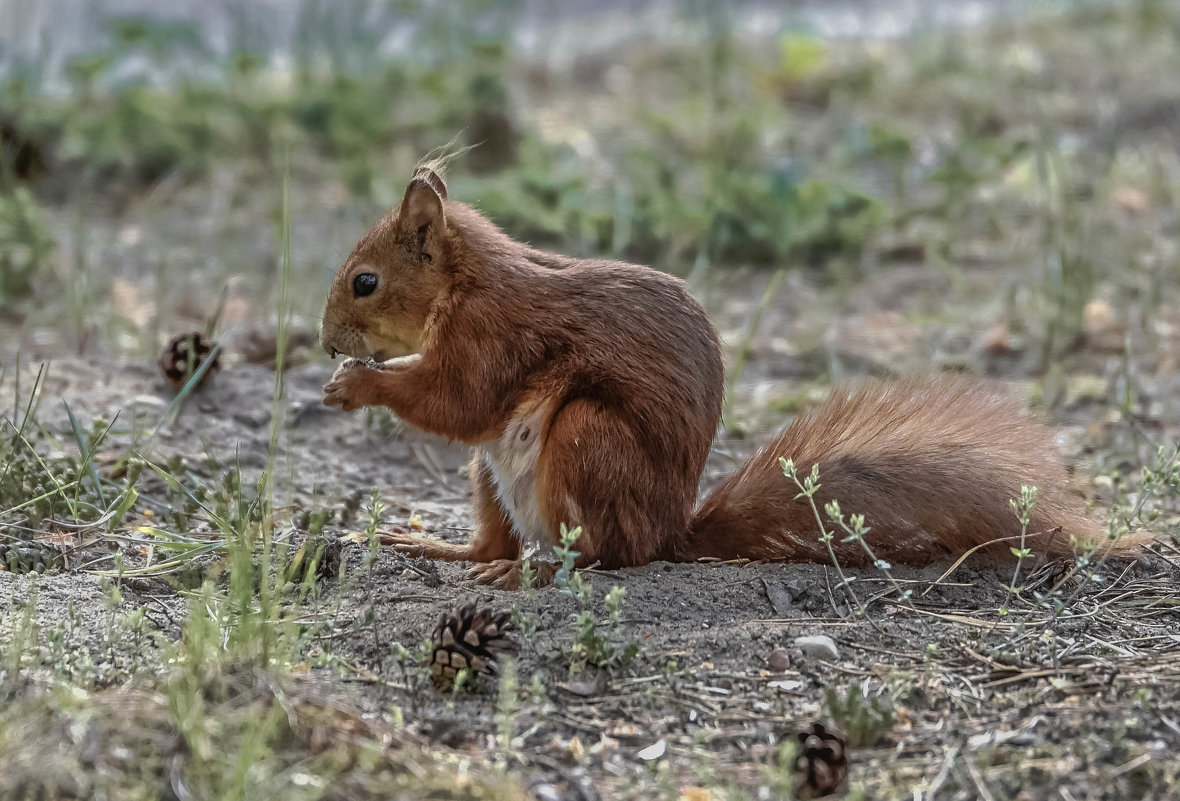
(592, 390)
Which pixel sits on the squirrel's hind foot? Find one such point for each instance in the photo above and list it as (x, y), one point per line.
(505, 574)
(413, 545)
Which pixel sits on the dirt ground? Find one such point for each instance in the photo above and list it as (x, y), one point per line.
(1081, 705)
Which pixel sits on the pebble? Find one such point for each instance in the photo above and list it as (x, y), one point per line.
(818, 646)
(779, 660)
(255, 419)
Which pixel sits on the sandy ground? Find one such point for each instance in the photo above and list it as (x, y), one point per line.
(958, 674)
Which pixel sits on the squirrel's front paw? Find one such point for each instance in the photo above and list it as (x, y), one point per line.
(350, 385)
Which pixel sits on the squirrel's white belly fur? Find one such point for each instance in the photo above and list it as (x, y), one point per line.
(512, 460)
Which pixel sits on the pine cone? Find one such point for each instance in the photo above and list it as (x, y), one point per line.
(322, 547)
(183, 355)
(821, 765)
(468, 637)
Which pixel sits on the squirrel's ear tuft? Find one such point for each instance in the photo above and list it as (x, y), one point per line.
(422, 207)
(432, 178)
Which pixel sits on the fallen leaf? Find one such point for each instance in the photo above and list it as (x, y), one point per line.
(624, 731)
(1100, 319)
(604, 745)
(995, 341)
(130, 304)
(587, 688)
(653, 751)
(786, 685)
(1131, 200)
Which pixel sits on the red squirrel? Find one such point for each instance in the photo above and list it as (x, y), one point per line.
(592, 389)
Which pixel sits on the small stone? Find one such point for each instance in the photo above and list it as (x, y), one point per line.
(252, 419)
(798, 588)
(819, 646)
(779, 660)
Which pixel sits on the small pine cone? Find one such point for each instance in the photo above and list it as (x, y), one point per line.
(326, 548)
(822, 765)
(329, 564)
(183, 355)
(468, 637)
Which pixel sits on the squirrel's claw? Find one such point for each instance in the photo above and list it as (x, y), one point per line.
(504, 574)
(347, 386)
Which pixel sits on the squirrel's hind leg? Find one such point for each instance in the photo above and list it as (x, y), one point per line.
(493, 539)
(596, 473)
(414, 545)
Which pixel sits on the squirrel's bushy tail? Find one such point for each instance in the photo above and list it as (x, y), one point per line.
(931, 463)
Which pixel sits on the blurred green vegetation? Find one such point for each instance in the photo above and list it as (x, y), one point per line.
(677, 185)
(24, 244)
(709, 150)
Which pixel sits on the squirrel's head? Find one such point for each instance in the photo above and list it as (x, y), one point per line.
(380, 303)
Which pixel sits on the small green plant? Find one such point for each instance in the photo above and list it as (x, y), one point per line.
(19, 635)
(507, 705)
(808, 486)
(864, 719)
(1022, 507)
(25, 244)
(524, 621)
(593, 644)
(854, 529)
(781, 776)
(44, 477)
(381, 422)
(313, 559)
(372, 524)
(1068, 273)
(412, 666)
(1158, 488)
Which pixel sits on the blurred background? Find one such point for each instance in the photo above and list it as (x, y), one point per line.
(850, 187)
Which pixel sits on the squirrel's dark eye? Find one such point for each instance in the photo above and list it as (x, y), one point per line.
(364, 284)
